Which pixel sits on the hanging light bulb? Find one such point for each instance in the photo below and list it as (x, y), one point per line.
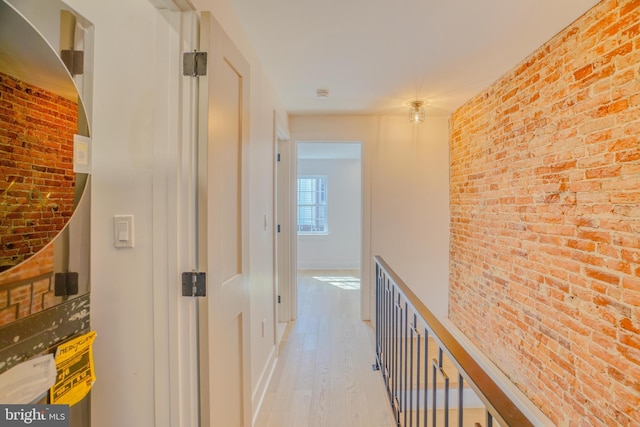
(416, 112)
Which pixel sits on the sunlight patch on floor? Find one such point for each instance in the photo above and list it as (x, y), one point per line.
(342, 282)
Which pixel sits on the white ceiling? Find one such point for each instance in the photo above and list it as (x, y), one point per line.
(328, 150)
(376, 55)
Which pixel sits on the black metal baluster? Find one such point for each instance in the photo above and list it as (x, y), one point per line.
(460, 400)
(396, 368)
(446, 392)
(416, 360)
(426, 376)
(412, 331)
(389, 301)
(402, 371)
(377, 314)
(382, 295)
(405, 334)
(398, 389)
(437, 367)
(383, 355)
(446, 401)
(385, 323)
(418, 339)
(385, 332)
(434, 385)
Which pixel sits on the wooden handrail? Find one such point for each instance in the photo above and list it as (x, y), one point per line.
(493, 396)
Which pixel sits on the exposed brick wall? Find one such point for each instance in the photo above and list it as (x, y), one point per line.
(545, 220)
(27, 289)
(36, 167)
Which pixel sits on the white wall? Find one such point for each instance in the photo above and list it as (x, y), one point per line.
(340, 248)
(126, 93)
(410, 219)
(121, 285)
(406, 192)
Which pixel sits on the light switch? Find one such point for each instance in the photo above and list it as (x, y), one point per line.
(123, 231)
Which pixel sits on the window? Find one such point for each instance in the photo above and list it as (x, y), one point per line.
(312, 205)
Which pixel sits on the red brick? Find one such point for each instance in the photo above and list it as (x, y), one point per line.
(556, 210)
(629, 326)
(8, 315)
(36, 136)
(629, 7)
(583, 72)
(628, 156)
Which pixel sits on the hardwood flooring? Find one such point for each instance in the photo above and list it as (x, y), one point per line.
(323, 377)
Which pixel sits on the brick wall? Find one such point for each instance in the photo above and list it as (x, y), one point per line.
(36, 167)
(27, 289)
(545, 220)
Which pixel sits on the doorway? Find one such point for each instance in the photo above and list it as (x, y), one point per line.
(328, 212)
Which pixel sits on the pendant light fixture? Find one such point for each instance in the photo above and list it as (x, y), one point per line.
(322, 93)
(416, 111)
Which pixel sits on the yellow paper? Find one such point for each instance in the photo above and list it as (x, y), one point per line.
(74, 364)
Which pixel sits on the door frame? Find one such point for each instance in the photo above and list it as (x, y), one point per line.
(282, 218)
(366, 289)
(176, 399)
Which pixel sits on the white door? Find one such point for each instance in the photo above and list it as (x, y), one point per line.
(225, 389)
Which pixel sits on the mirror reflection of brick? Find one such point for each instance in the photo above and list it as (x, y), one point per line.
(29, 289)
(36, 172)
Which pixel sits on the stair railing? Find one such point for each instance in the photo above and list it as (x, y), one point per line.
(430, 393)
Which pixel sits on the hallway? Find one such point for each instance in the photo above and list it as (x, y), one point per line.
(324, 376)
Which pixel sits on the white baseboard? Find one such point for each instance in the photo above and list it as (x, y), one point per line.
(263, 383)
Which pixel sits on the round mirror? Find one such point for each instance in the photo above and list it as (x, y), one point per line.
(40, 115)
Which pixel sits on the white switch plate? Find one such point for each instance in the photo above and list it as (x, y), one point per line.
(123, 236)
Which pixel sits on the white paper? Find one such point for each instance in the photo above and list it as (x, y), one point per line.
(25, 382)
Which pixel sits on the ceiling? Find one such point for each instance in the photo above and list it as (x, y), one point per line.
(375, 55)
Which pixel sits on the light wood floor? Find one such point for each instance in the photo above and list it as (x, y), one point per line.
(324, 376)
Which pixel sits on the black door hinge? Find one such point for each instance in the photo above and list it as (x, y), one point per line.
(194, 284)
(278, 228)
(279, 301)
(278, 156)
(65, 284)
(194, 64)
(73, 60)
